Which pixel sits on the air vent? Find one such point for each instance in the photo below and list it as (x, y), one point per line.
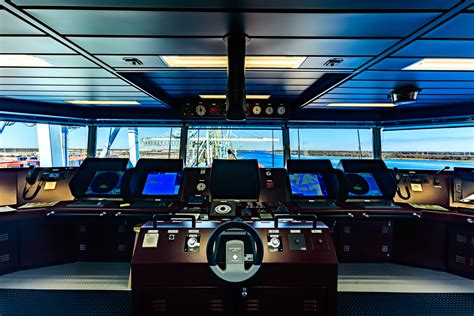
(347, 248)
(82, 247)
(347, 229)
(461, 238)
(310, 306)
(252, 305)
(384, 248)
(159, 306)
(471, 262)
(216, 305)
(121, 229)
(5, 258)
(385, 229)
(4, 237)
(121, 247)
(82, 228)
(472, 240)
(461, 259)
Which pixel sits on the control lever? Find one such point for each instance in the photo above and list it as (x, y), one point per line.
(168, 217)
(312, 218)
(436, 181)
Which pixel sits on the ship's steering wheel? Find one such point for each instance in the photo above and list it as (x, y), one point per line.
(234, 252)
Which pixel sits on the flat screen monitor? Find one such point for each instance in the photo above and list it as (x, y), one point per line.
(363, 184)
(105, 184)
(161, 183)
(307, 185)
(464, 186)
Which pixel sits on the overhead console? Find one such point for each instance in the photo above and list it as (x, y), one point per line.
(315, 183)
(370, 183)
(463, 190)
(98, 182)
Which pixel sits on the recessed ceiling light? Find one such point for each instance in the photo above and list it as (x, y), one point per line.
(381, 105)
(96, 102)
(221, 61)
(248, 96)
(22, 61)
(443, 64)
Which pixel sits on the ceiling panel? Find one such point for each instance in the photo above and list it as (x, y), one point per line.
(31, 45)
(223, 88)
(92, 88)
(249, 74)
(10, 24)
(438, 48)
(347, 63)
(385, 91)
(421, 84)
(67, 60)
(75, 93)
(223, 81)
(118, 62)
(54, 72)
(461, 26)
(62, 81)
(395, 63)
(251, 4)
(261, 24)
(416, 75)
(383, 97)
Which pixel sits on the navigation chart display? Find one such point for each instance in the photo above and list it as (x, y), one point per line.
(363, 184)
(105, 183)
(162, 184)
(307, 185)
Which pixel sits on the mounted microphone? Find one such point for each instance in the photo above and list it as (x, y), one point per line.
(231, 152)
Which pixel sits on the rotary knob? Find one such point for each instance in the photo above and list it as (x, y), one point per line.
(275, 242)
(192, 242)
(201, 187)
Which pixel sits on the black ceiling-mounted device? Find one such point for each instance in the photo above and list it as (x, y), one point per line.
(132, 60)
(404, 95)
(235, 97)
(333, 62)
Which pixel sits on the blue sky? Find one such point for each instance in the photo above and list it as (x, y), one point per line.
(446, 139)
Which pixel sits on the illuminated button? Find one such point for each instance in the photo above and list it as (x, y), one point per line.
(275, 242)
(235, 257)
(192, 242)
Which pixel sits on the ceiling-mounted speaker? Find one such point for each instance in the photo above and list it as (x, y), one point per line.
(405, 95)
(235, 97)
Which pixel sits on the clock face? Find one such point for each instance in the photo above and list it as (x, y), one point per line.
(281, 110)
(257, 110)
(269, 110)
(200, 110)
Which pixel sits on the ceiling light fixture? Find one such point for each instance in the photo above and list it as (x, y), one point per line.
(466, 64)
(22, 61)
(221, 61)
(102, 102)
(381, 105)
(248, 96)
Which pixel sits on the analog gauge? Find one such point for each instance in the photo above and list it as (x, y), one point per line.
(269, 110)
(201, 187)
(257, 110)
(200, 110)
(281, 110)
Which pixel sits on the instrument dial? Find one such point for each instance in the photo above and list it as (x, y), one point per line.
(269, 110)
(257, 110)
(200, 110)
(281, 110)
(201, 186)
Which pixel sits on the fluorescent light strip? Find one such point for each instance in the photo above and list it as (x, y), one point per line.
(221, 61)
(380, 105)
(464, 64)
(222, 96)
(96, 102)
(22, 61)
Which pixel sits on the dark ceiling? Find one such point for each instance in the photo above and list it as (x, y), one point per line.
(86, 42)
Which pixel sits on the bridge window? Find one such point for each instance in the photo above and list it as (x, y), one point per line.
(432, 148)
(204, 145)
(45, 145)
(136, 143)
(330, 143)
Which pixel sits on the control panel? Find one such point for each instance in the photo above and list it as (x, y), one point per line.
(253, 109)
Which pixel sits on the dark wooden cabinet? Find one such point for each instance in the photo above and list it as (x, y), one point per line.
(461, 249)
(8, 247)
(364, 241)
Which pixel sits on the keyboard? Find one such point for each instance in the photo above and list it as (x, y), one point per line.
(319, 204)
(381, 205)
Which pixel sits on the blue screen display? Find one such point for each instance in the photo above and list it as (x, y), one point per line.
(363, 184)
(307, 185)
(162, 183)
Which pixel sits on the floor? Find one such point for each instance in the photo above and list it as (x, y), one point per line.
(100, 288)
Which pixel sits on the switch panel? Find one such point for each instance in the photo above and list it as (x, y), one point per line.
(192, 243)
(150, 240)
(297, 242)
(274, 243)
